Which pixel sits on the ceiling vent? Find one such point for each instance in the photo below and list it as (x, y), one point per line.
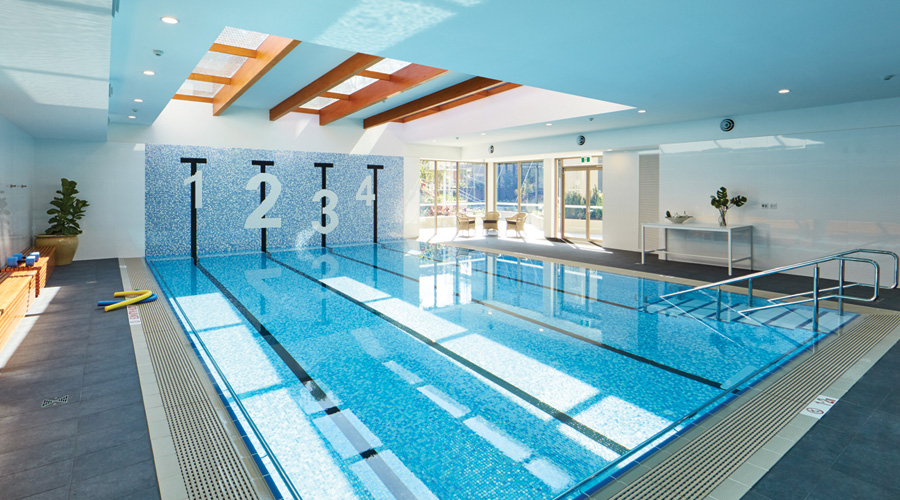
(727, 125)
(580, 140)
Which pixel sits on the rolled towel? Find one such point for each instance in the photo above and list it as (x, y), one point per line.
(12, 261)
(29, 261)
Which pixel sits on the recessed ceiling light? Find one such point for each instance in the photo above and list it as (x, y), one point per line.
(132, 117)
(169, 20)
(138, 100)
(642, 111)
(484, 133)
(149, 73)
(784, 91)
(549, 124)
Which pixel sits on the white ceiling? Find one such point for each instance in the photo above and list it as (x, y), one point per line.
(679, 61)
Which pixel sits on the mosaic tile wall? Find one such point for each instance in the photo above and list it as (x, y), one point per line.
(226, 204)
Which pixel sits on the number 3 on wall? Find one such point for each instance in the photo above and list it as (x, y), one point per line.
(331, 202)
(257, 218)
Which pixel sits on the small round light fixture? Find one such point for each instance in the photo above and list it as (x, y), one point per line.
(484, 133)
(784, 91)
(549, 124)
(642, 111)
(138, 100)
(132, 117)
(149, 73)
(169, 20)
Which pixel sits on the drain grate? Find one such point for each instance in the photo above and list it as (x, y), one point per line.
(55, 401)
(694, 471)
(209, 463)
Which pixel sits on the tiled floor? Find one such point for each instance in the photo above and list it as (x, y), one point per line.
(852, 452)
(96, 445)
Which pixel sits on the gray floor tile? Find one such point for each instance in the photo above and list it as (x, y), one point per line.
(116, 484)
(99, 355)
(108, 364)
(111, 436)
(56, 494)
(38, 416)
(869, 461)
(891, 403)
(110, 387)
(54, 335)
(18, 359)
(37, 480)
(123, 343)
(846, 416)
(29, 374)
(116, 372)
(148, 494)
(40, 390)
(54, 431)
(117, 399)
(843, 487)
(37, 455)
(120, 415)
(110, 459)
(792, 478)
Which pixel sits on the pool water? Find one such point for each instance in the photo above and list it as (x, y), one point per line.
(409, 370)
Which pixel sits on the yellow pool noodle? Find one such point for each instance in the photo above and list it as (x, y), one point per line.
(138, 295)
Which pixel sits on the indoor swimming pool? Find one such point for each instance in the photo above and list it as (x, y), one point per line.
(410, 370)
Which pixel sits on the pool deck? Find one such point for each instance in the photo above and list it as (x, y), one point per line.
(97, 444)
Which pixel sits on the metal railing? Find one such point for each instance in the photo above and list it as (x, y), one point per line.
(815, 295)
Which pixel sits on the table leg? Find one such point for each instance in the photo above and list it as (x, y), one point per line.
(666, 243)
(730, 255)
(643, 232)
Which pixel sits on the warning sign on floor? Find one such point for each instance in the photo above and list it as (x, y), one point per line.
(819, 406)
(134, 317)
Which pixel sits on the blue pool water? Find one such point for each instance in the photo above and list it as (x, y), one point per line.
(408, 370)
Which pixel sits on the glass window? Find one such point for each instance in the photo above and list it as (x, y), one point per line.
(446, 188)
(472, 188)
(532, 187)
(597, 195)
(426, 188)
(507, 187)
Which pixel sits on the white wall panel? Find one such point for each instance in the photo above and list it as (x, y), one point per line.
(16, 186)
(621, 190)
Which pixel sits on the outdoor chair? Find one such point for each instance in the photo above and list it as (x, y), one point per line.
(491, 221)
(464, 222)
(516, 222)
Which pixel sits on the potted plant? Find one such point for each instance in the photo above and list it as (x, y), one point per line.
(721, 201)
(64, 228)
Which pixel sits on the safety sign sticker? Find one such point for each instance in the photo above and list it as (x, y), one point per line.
(134, 317)
(819, 406)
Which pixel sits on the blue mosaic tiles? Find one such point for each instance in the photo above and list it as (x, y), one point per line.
(227, 204)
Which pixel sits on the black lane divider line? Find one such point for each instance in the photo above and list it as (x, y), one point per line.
(523, 281)
(636, 357)
(382, 470)
(546, 408)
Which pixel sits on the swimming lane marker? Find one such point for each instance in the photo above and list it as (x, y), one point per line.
(819, 406)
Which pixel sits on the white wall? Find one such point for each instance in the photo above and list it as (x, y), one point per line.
(110, 175)
(16, 165)
(620, 200)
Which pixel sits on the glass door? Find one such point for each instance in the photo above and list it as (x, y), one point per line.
(581, 195)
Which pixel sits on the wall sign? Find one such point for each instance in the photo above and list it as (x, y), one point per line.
(223, 200)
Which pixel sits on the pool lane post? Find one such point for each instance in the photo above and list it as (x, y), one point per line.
(194, 205)
(262, 164)
(375, 169)
(324, 167)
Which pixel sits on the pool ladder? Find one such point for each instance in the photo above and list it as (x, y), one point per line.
(815, 295)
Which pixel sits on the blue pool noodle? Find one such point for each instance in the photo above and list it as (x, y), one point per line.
(104, 303)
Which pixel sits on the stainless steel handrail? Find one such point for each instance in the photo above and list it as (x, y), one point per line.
(840, 257)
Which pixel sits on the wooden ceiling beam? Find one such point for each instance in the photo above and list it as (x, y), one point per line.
(342, 72)
(335, 95)
(199, 77)
(307, 111)
(375, 74)
(194, 98)
(270, 52)
(459, 102)
(449, 94)
(401, 81)
(235, 51)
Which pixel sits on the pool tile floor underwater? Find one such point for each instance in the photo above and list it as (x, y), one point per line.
(96, 445)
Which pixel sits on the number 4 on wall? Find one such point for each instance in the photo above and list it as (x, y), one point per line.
(366, 192)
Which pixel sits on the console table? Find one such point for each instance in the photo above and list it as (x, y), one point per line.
(729, 230)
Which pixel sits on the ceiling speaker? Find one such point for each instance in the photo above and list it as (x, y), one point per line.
(727, 125)
(491, 149)
(580, 140)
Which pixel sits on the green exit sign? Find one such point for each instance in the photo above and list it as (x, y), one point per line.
(585, 159)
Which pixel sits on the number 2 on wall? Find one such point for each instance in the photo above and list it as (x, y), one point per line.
(328, 210)
(257, 218)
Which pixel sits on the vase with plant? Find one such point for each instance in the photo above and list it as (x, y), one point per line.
(64, 227)
(723, 203)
